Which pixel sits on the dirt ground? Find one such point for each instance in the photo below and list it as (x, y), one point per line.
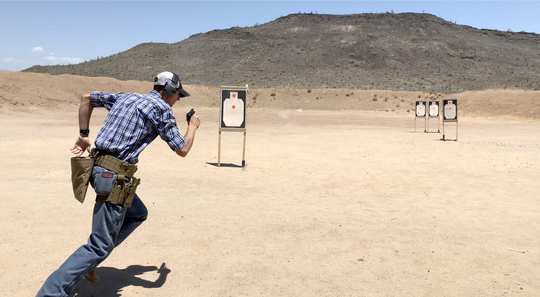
(31, 91)
(347, 203)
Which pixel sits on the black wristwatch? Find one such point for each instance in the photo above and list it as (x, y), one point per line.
(84, 132)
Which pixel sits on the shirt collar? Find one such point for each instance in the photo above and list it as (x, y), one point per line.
(157, 96)
(154, 93)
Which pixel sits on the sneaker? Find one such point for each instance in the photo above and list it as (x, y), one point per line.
(91, 276)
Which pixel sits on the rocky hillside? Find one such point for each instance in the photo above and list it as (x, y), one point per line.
(406, 51)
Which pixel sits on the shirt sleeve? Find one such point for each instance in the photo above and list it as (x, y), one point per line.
(103, 99)
(168, 130)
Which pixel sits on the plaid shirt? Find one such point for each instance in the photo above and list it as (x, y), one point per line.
(134, 120)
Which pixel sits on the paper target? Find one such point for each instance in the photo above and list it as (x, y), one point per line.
(233, 111)
(450, 109)
(434, 109)
(420, 108)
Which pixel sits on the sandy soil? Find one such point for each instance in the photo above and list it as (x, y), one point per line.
(31, 91)
(332, 203)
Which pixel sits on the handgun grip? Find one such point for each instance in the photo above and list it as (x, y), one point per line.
(190, 113)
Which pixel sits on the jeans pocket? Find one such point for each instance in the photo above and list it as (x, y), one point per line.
(104, 181)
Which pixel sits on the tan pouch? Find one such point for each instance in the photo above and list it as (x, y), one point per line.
(131, 191)
(123, 192)
(81, 170)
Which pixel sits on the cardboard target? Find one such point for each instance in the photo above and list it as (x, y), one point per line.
(420, 108)
(450, 110)
(434, 109)
(233, 111)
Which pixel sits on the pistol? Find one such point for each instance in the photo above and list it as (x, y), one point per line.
(189, 114)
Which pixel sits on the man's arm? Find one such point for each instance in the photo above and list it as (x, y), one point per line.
(189, 136)
(85, 112)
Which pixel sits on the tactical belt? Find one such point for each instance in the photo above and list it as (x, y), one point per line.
(126, 184)
(116, 165)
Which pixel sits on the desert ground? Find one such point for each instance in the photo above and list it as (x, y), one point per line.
(340, 198)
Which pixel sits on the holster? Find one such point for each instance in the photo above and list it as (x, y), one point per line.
(81, 170)
(123, 190)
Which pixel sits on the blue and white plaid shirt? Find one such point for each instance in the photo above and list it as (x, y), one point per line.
(134, 120)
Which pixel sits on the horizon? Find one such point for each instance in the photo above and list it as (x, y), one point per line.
(53, 33)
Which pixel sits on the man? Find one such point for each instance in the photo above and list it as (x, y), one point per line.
(133, 121)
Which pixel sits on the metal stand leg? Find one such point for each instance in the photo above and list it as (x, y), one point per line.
(219, 150)
(244, 152)
(443, 139)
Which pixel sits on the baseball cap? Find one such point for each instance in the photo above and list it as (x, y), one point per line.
(171, 78)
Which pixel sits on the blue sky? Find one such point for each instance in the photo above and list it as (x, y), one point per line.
(72, 31)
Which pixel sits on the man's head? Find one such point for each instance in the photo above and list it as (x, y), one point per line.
(169, 86)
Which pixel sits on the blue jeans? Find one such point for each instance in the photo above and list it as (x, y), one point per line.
(111, 224)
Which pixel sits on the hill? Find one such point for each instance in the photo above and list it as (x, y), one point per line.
(407, 51)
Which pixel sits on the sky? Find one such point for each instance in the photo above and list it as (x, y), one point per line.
(64, 32)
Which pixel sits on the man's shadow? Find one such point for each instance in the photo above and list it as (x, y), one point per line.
(112, 281)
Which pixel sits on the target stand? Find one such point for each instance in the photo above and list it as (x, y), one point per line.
(450, 115)
(433, 115)
(232, 115)
(420, 113)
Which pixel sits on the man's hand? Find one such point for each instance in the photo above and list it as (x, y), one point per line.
(189, 137)
(81, 145)
(194, 122)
